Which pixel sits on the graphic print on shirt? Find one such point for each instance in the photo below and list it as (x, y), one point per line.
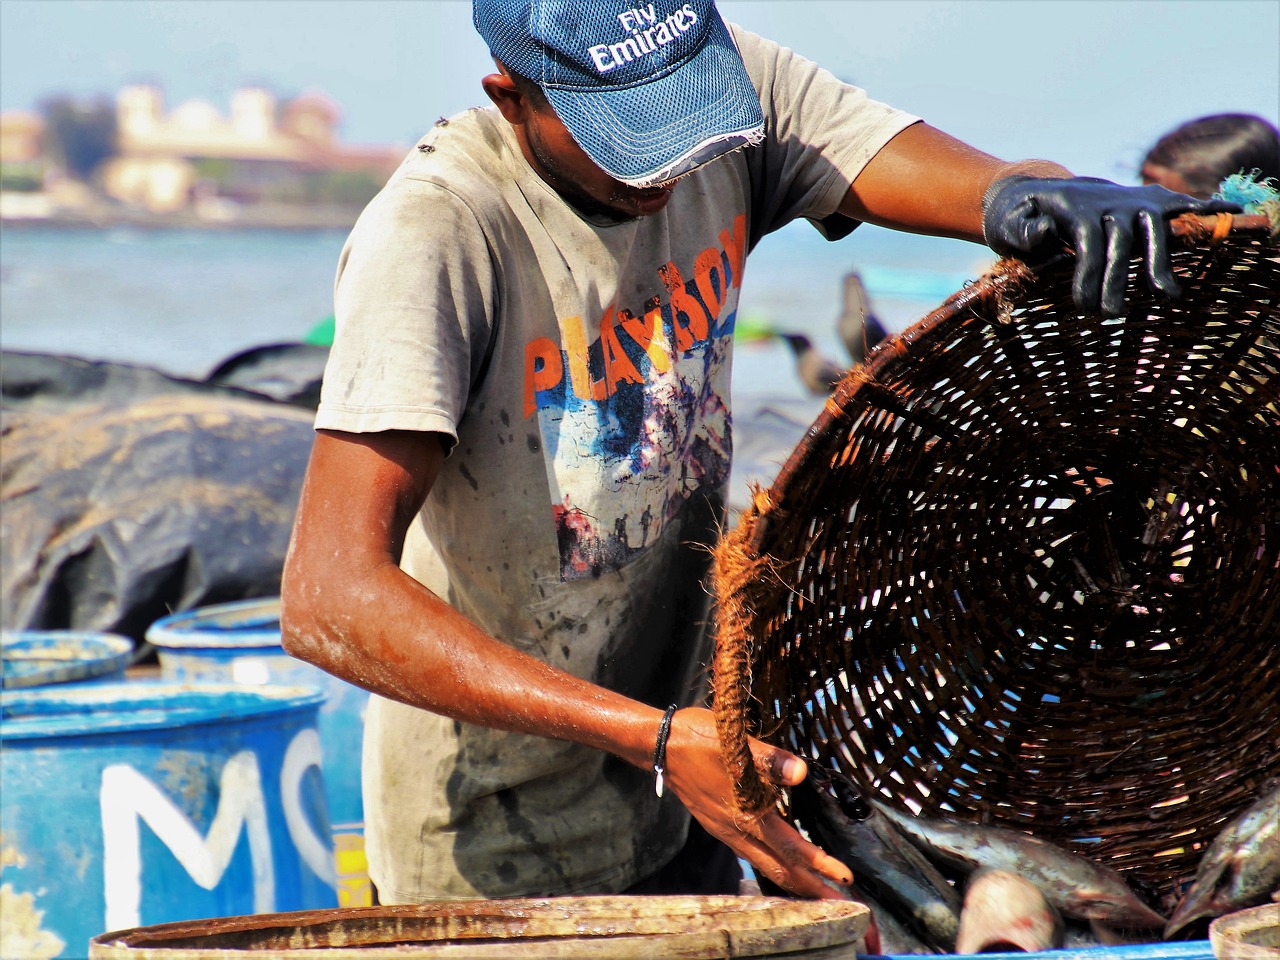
(634, 420)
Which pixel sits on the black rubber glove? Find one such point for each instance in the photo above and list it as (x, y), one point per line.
(1032, 218)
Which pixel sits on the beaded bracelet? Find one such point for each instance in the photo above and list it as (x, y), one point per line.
(660, 750)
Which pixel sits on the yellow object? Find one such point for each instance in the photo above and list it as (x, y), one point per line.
(354, 888)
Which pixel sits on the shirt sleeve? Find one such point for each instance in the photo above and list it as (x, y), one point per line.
(413, 309)
(819, 134)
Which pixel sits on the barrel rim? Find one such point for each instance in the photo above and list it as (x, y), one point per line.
(104, 653)
(87, 709)
(239, 624)
(1232, 934)
(571, 926)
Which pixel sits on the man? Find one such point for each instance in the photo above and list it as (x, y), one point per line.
(524, 437)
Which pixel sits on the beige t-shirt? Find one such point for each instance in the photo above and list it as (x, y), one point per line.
(583, 370)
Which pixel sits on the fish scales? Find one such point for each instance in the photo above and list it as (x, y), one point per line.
(1075, 885)
(1239, 869)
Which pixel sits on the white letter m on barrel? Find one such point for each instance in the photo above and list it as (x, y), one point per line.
(127, 797)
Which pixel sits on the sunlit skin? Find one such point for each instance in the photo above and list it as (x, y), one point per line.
(556, 157)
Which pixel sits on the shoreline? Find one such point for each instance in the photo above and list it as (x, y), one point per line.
(273, 217)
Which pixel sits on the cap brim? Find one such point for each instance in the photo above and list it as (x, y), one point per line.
(654, 132)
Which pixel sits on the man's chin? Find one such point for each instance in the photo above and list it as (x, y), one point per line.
(642, 202)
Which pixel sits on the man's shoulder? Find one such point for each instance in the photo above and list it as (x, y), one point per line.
(474, 137)
(460, 162)
(465, 154)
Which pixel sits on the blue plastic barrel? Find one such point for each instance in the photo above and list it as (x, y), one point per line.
(141, 803)
(240, 643)
(38, 658)
(1185, 950)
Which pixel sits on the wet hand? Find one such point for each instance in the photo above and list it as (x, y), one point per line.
(1031, 218)
(696, 772)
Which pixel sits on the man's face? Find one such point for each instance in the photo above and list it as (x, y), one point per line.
(557, 158)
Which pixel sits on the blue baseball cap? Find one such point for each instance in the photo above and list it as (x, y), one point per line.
(649, 90)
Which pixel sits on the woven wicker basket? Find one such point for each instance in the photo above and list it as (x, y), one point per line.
(1024, 568)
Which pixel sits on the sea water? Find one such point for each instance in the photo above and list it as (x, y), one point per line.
(178, 300)
(184, 300)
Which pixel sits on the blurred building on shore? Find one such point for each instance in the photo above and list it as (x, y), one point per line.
(21, 138)
(264, 160)
(262, 152)
(22, 165)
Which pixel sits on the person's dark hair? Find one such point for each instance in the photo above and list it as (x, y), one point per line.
(1207, 150)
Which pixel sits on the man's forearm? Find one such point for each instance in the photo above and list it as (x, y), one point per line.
(925, 181)
(429, 655)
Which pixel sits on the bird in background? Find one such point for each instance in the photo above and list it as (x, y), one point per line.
(859, 329)
(818, 372)
(858, 326)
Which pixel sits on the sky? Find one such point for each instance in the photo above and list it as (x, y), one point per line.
(1089, 83)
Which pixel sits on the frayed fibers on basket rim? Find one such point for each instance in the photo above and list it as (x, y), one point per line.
(742, 584)
(1255, 193)
(1003, 284)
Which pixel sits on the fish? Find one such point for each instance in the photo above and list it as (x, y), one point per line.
(827, 804)
(1076, 886)
(1080, 934)
(1240, 868)
(1003, 912)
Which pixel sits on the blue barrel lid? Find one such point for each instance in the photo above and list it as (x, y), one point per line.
(36, 658)
(243, 624)
(112, 708)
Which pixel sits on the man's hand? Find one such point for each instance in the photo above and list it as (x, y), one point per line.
(696, 772)
(1030, 218)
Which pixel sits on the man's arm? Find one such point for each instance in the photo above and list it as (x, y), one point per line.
(928, 182)
(348, 608)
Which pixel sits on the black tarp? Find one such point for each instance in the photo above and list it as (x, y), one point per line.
(127, 494)
(290, 372)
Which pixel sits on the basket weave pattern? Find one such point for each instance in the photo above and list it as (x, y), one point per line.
(1025, 567)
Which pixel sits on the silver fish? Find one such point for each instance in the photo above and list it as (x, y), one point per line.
(1004, 912)
(882, 860)
(1078, 887)
(1079, 934)
(1239, 869)
(1094, 933)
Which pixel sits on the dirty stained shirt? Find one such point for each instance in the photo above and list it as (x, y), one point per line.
(581, 371)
